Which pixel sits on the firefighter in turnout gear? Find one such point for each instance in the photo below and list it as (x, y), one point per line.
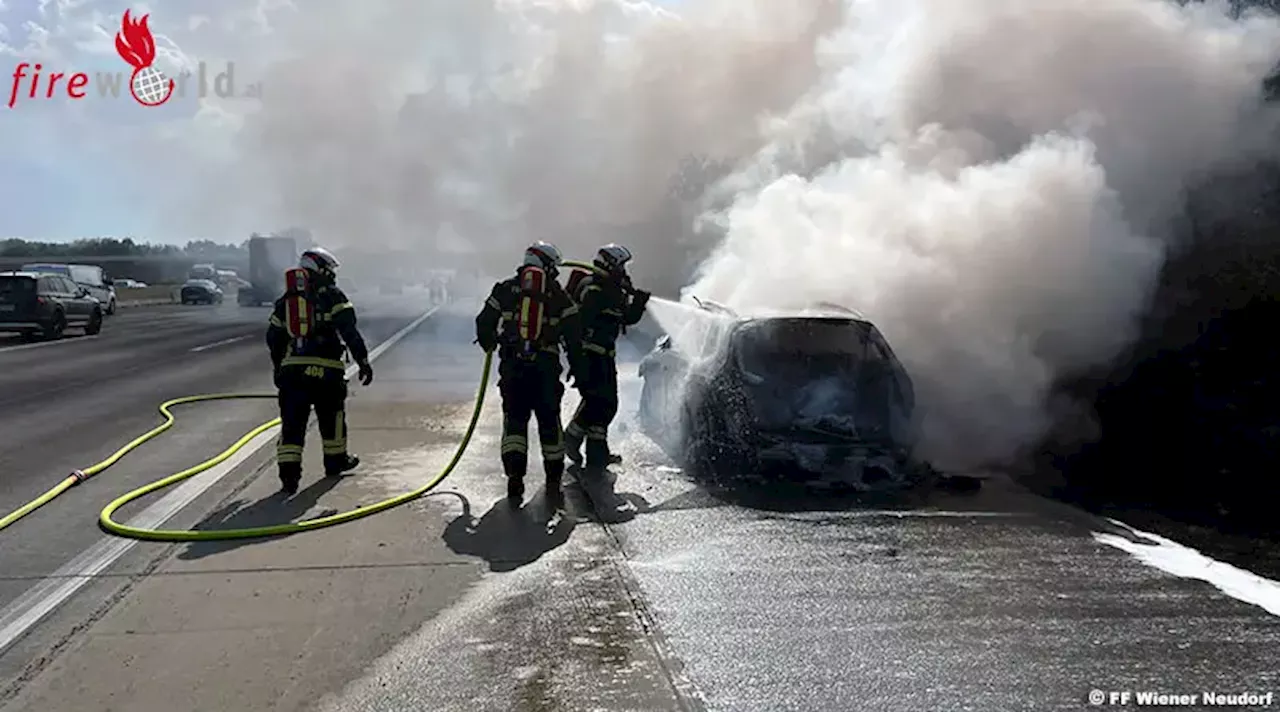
(526, 319)
(608, 305)
(306, 336)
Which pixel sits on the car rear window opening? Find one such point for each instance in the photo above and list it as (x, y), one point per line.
(16, 286)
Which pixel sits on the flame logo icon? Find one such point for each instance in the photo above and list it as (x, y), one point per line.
(148, 85)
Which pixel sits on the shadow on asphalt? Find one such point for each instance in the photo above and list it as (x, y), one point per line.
(268, 511)
(598, 501)
(505, 537)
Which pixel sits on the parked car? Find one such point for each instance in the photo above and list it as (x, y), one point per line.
(91, 277)
(37, 304)
(129, 284)
(201, 291)
(820, 398)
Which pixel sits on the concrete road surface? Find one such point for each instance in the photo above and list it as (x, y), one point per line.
(657, 593)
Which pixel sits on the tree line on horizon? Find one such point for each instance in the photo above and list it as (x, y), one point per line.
(119, 247)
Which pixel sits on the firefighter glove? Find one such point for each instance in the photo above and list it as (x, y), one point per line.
(366, 373)
(487, 342)
(641, 297)
(577, 371)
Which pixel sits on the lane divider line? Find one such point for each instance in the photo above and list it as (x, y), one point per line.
(38, 344)
(216, 344)
(45, 597)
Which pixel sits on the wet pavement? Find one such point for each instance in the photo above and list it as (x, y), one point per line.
(751, 599)
(660, 593)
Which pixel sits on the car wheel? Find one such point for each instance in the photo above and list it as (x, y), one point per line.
(710, 450)
(55, 327)
(111, 306)
(700, 448)
(94, 327)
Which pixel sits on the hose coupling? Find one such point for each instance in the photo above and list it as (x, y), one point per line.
(79, 476)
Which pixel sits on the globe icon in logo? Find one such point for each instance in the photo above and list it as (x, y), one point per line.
(150, 86)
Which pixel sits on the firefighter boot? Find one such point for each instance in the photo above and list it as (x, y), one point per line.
(515, 491)
(598, 455)
(573, 437)
(290, 477)
(555, 494)
(339, 465)
(513, 464)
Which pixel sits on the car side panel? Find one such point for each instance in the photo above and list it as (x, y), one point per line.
(77, 305)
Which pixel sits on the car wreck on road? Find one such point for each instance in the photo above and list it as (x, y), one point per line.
(817, 397)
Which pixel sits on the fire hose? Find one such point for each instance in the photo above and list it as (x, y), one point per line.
(109, 525)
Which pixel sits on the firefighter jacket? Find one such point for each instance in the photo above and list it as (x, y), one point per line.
(607, 306)
(498, 323)
(324, 347)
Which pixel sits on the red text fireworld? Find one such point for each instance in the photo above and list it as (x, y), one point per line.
(75, 83)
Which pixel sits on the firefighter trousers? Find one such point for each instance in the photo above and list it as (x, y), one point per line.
(298, 394)
(532, 389)
(599, 405)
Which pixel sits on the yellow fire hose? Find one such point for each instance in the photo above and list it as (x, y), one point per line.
(111, 526)
(179, 535)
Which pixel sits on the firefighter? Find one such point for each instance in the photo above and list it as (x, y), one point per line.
(527, 318)
(608, 304)
(306, 336)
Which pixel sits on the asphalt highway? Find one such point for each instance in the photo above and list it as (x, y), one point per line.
(658, 592)
(70, 403)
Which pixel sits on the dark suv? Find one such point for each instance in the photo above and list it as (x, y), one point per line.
(819, 397)
(37, 304)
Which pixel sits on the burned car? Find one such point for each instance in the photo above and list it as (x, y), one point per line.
(819, 397)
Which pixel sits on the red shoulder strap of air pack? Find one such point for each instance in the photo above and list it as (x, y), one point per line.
(531, 307)
(300, 313)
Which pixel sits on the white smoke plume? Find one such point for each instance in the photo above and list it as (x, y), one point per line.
(993, 182)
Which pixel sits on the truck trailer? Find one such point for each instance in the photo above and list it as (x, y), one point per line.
(269, 257)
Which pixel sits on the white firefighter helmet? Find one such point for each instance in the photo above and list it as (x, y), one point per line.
(613, 258)
(544, 255)
(320, 260)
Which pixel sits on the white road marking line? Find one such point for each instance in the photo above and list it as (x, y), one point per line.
(216, 344)
(1184, 562)
(42, 599)
(69, 340)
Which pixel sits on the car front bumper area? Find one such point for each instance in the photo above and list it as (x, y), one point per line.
(842, 461)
